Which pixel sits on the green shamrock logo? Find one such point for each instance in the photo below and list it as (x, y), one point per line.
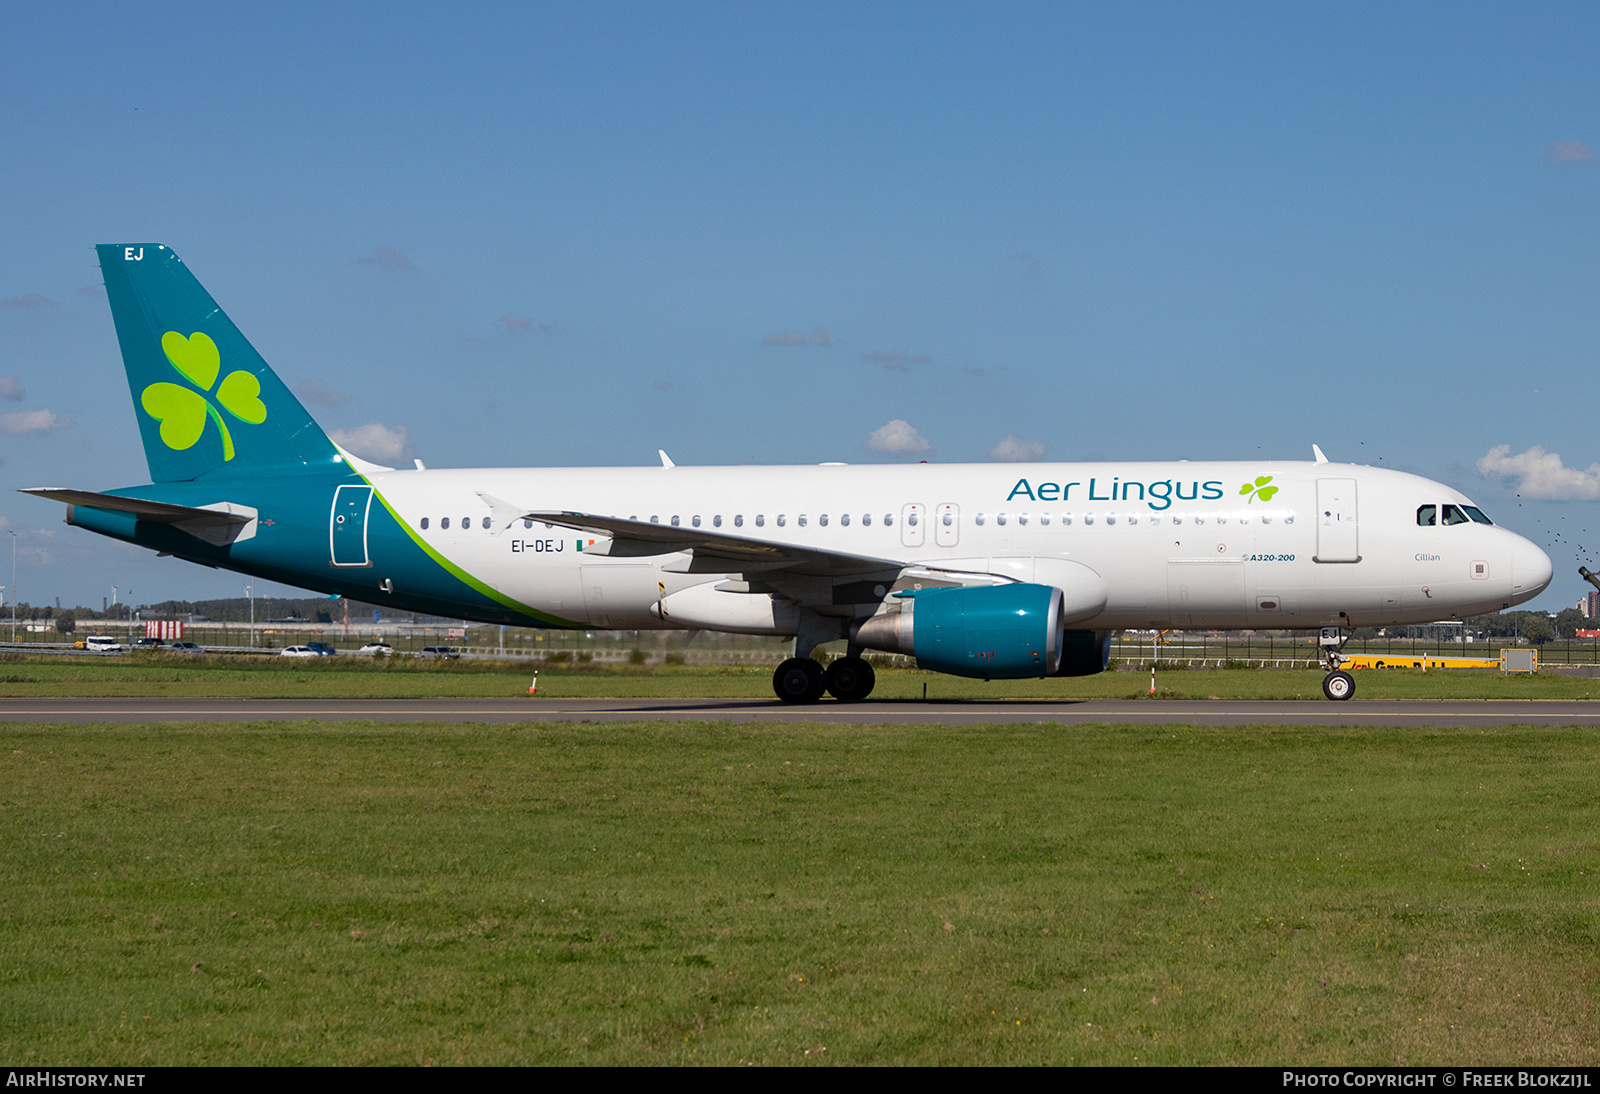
(1259, 489)
(183, 411)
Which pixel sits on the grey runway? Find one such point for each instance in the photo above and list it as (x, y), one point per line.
(1011, 711)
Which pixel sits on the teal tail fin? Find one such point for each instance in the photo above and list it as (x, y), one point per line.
(207, 403)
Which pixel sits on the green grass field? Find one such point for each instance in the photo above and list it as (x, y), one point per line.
(361, 678)
(784, 894)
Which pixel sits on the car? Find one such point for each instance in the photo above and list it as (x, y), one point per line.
(182, 647)
(322, 649)
(102, 643)
(439, 651)
(148, 643)
(377, 649)
(299, 651)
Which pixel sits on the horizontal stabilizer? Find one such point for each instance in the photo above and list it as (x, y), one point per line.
(219, 523)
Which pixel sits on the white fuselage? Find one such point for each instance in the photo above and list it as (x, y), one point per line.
(1176, 544)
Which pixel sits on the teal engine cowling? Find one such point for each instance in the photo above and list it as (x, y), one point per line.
(990, 632)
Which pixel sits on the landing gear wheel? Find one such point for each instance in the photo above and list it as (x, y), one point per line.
(850, 679)
(1338, 685)
(798, 680)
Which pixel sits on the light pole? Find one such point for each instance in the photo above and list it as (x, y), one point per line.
(13, 588)
(250, 591)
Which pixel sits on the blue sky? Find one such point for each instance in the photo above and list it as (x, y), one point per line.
(759, 233)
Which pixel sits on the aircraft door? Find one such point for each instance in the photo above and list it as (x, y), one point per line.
(1337, 539)
(947, 525)
(913, 517)
(347, 526)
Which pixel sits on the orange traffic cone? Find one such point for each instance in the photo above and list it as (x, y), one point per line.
(533, 688)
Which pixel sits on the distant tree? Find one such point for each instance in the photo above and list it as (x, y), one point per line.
(1536, 628)
(1569, 622)
(66, 623)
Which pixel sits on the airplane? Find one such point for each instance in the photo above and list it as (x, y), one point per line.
(988, 571)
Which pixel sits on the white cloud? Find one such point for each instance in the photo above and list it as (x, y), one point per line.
(899, 439)
(32, 421)
(11, 389)
(375, 441)
(1569, 152)
(1014, 450)
(1540, 474)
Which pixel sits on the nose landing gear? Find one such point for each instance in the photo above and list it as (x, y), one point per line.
(1338, 685)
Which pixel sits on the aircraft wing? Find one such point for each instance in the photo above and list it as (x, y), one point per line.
(718, 552)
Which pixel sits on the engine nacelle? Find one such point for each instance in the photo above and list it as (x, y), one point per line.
(992, 632)
(1085, 653)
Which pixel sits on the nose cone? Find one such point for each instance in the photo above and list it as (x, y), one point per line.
(1530, 571)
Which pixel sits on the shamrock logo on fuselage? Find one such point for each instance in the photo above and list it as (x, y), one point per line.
(183, 411)
(1259, 489)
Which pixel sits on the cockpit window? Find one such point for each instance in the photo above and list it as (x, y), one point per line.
(1453, 515)
(1477, 515)
(1427, 515)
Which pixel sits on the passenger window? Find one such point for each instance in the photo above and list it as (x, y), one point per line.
(1453, 515)
(844, 520)
(801, 520)
(1000, 519)
(978, 520)
(529, 523)
(866, 520)
(738, 520)
(1044, 519)
(444, 522)
(912, 520)
(716, 521)
(782, 520)
(948, 520)
(761, 520)
(888, 520)
(695, 520)
(823, 520)
(1427, 515)
(424, 524)
(674, 520)
(654, 519)
(1111, 518)
(1066, 519)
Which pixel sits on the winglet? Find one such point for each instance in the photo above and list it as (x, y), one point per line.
(666, 460)
(1317, 452)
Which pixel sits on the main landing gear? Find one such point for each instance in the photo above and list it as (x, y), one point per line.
(802, 680)
(1338, 685)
